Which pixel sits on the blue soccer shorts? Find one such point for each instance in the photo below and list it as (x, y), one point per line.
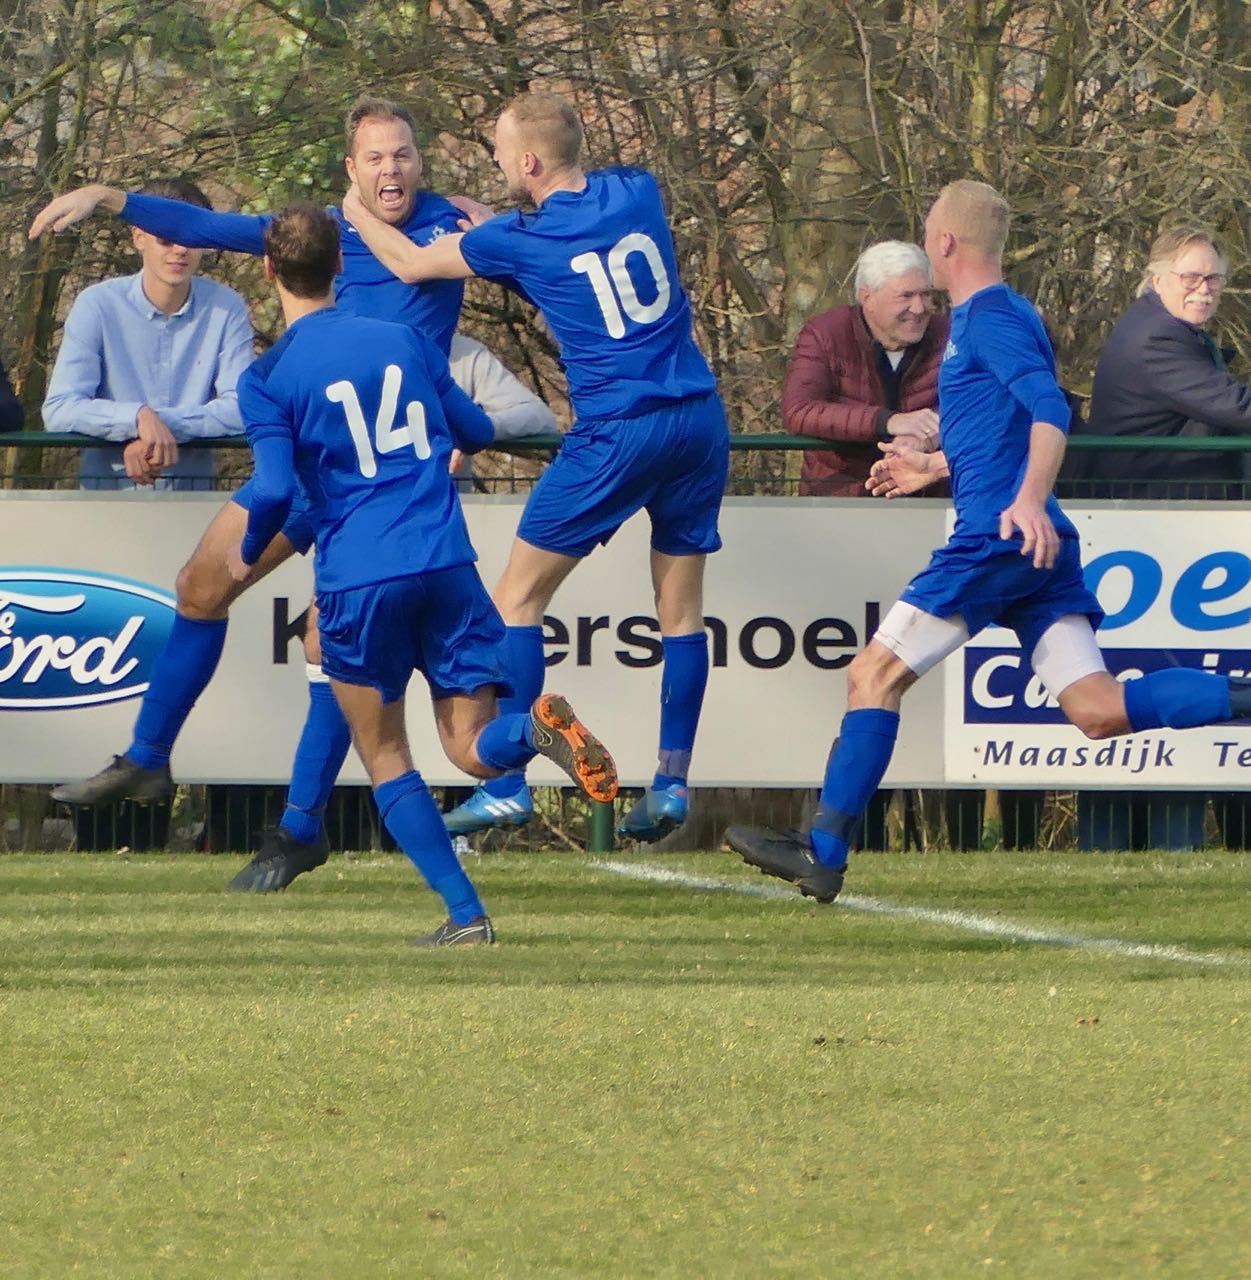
(299, 528)
(441, 623)
(987, 580)
(672, 463)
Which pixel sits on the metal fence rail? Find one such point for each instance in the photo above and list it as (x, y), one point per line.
(761, 464)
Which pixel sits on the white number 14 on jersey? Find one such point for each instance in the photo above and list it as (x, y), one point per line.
(386, 438)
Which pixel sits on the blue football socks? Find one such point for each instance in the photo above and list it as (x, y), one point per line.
(179, 676)
(682, 684)
(323, 747)
(507, 742)
(526, 665)
(411, 816)
(1177, 698)
(854, 771)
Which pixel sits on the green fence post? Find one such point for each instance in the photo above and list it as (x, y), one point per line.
(601, 827)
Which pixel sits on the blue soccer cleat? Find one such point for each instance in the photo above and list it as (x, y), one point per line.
(483, 811)
(656, 814)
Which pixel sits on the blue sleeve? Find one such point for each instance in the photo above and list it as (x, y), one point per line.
(471, 428)
(1010, 350)
(188, 224)
(272, 493)
(273, 484)
(487, 250)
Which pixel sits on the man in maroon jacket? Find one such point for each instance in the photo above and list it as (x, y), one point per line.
(867, 372)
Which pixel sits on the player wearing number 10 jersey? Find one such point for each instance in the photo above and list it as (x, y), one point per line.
(596, 257)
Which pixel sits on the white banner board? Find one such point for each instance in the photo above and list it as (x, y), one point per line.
(86, 585)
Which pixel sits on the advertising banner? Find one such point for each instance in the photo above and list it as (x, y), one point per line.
(1175, 584)
(87, 593)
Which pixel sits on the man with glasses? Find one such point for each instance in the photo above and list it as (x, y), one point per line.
(1161, 374)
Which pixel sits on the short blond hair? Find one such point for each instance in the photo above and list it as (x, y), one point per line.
(977, 215)
(1169, 245)
(549, 126)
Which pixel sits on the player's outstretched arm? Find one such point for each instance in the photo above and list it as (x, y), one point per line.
(74, 206)
(412, 263)
(1028, 512)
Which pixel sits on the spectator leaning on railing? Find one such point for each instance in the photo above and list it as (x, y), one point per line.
(867, 371)
(1160, 375)
(149, 361)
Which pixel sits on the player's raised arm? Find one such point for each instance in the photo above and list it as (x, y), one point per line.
(74, 206)
(439, 260)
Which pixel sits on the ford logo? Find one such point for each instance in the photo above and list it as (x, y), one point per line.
(77, 639)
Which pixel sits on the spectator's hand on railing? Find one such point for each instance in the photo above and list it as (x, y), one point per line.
(904, 469)
(138, 467)
(921, 423)
(74, 206)
(162, 448)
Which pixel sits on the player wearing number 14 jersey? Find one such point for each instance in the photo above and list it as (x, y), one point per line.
(596, 256)
(360, 416)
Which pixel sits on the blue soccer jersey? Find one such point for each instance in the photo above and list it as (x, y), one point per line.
(366, 287)
(364, 414)
(998, 377)
(600, 265)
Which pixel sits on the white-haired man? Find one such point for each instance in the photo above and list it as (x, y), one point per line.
(867, 371)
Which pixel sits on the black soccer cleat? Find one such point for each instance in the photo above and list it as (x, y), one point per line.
(477, 932)
(121, 779)
(280, 859)
(785, 853)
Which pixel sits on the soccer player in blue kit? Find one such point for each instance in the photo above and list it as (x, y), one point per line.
(360, 416)
(383, 161)
(1013, 557)
(596, 257)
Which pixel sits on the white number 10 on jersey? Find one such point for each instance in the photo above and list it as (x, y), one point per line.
(386, 438)
(614, 290)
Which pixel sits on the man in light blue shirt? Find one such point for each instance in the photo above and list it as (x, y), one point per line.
(150, 361)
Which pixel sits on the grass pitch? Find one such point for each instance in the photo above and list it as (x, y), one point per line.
(1023, 1065)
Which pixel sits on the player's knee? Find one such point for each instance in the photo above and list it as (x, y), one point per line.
(463, 756)
(867, 678)
(1096, 706)
(201, 594)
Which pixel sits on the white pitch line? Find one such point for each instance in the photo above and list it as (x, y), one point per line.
(965, 920)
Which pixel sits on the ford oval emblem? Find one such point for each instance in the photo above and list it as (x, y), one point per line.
(75, 639)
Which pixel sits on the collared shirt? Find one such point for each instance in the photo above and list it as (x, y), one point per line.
(119, 352)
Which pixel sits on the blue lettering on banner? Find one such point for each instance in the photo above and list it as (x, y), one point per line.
(1202, 598)
(1000, 688)
(77, 639)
